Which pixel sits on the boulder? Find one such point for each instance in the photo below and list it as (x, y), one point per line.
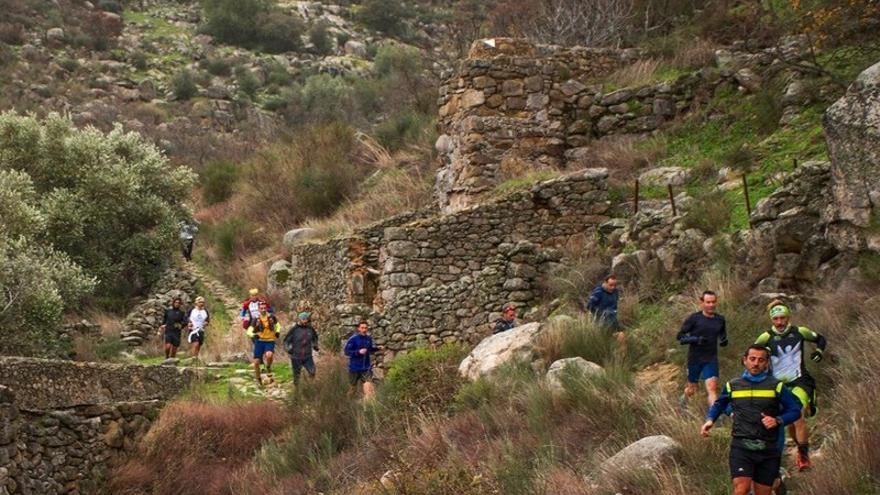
(647, 453)
(298, 236)
(278, 275)
(355, 49)
(662, 176)
(55, 34)
(852, 130)
(748, 79)
(575, 365)
(499, 349)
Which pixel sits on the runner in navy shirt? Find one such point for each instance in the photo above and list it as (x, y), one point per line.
(703, 331)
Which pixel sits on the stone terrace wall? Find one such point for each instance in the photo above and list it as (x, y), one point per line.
(516, 102)
(64, 425)
(445, 277)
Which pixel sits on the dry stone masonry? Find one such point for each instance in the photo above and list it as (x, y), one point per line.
(426, 280)
(512, 103)
(64, 425)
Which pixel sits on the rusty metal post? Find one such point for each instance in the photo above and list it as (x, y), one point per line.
(636, 198)
(672, 200)
(746, 195)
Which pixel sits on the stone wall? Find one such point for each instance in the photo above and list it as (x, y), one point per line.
(143, 321)
(512, 103)
(64, 425)
(445, 277)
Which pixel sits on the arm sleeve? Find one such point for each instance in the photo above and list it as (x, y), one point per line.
(791, 406)
(593, 302)
(350, 351)
(684, 336)
(314, 339)
(763, 339)
(497, 328)
(720, 404)
(812, 336)
(722, 337)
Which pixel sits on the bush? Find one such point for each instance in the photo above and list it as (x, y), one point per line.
(110, 202)
(12, 34)
(401, 129)
(248, 83)
(139, 60)
(325, 99)
(183, 85)
(218, 66)
(252, 23)
(386, 16)
(218, 181)
(319, 36)
(279, 75)
(208, 443)
(423, 379)
(279, 32)
(710, 213)
(110, 6)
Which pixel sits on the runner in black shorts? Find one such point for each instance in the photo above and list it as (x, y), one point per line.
(358, 349)
(787, 344)
(761, 406)
(173, 322)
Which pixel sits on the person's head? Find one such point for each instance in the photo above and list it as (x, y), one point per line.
(508, 312)
(780, 315)
(200, 302)
(304, 317)
(264, 307)
(176, 302)
(254, 292)
(610, 283)
(708, 302)
(363, 328)
(756, 359)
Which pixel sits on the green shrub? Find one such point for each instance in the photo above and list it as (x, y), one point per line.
(401, 129)
(342, 38)
(139, 60)
(110, 6)
(227, 236)
(218, 181)
(248, 83)
(252, 23)
(710, 213)
(69, 64)
(319, 36)
(279, 75)
(183, 85)
(386, 16)
(423, 379)
(218, 66)
(279, 31)
(325, 99)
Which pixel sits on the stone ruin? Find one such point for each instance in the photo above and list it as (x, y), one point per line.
(512, 105)
(65, 425)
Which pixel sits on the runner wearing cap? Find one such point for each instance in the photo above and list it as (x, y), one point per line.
(299, 342)
(786, 344)
(250, 307)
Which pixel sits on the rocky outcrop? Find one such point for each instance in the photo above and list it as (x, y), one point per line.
(499, 349)
(786, 247)
(852, 127)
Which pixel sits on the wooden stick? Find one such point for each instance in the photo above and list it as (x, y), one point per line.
(672, 200)
(636, 198)
(746, 195)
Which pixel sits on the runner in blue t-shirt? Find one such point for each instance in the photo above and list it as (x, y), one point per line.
(703, 331)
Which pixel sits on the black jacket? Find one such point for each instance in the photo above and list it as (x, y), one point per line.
(502, 325)
(300, 341)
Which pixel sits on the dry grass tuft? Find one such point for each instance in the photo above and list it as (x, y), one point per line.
(639, 73)
(206, 444)
(623, 156)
